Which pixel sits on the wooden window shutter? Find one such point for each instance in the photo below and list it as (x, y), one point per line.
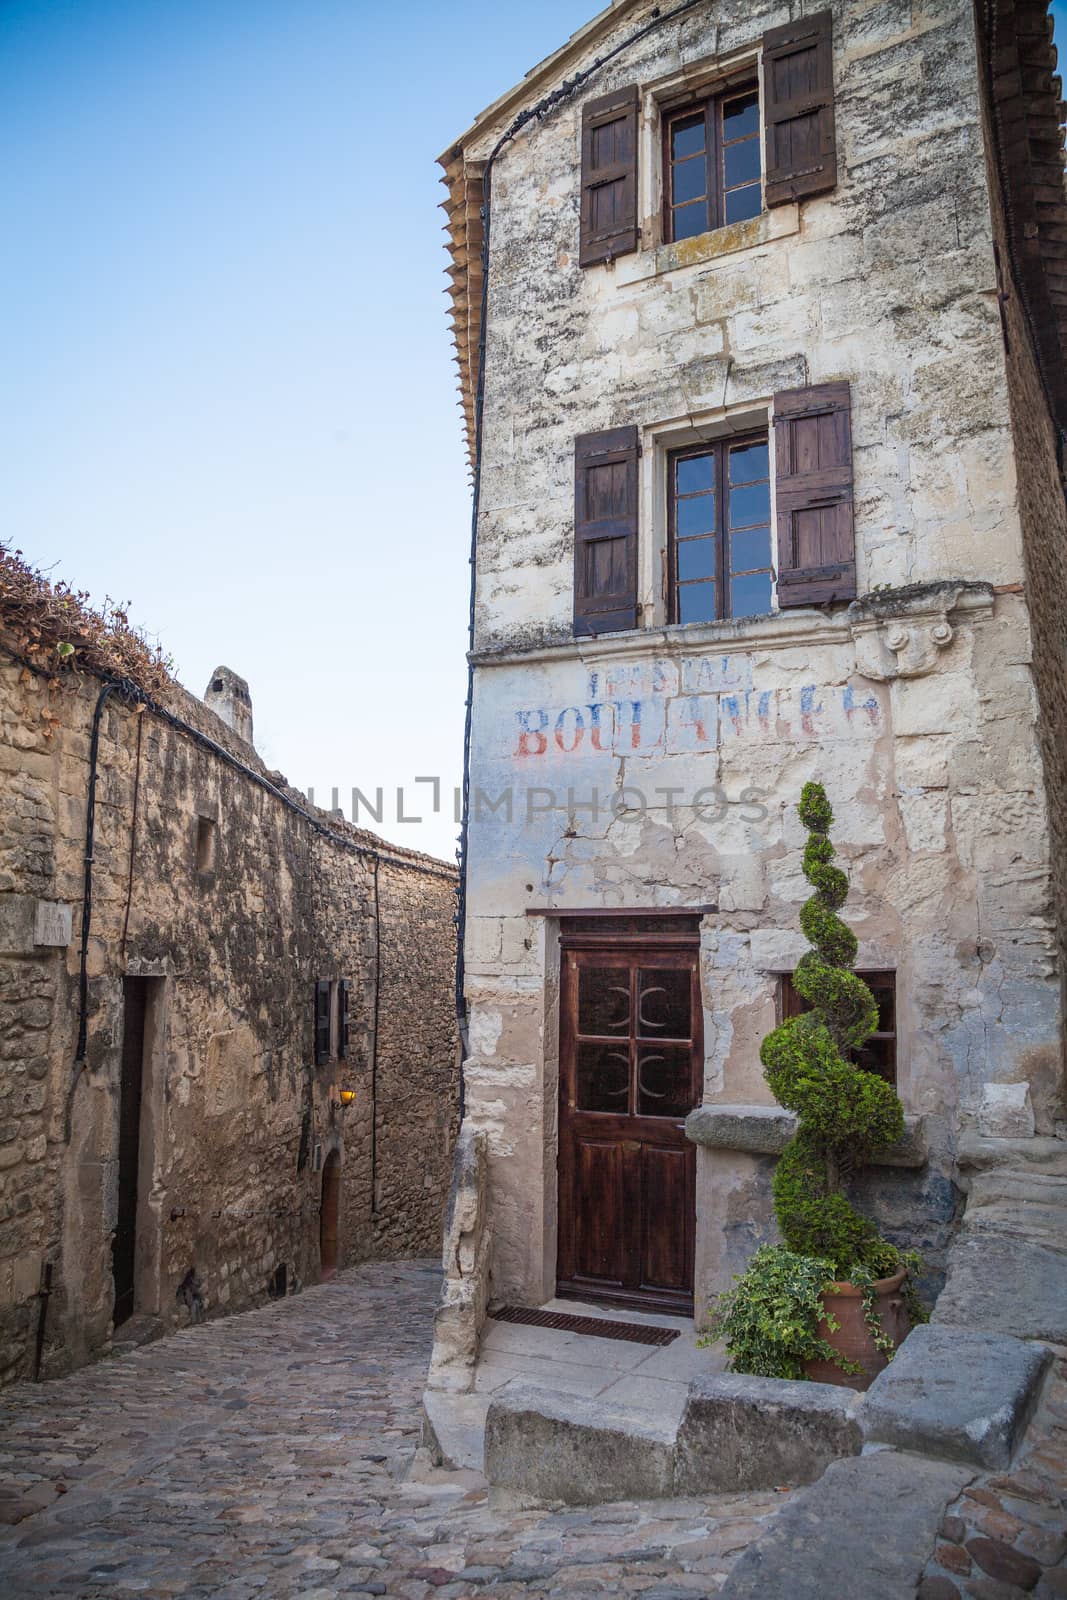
(609, 177)
(813, 495)
(605, 531)
(322, 1021)
(343, 989)
(798, 79)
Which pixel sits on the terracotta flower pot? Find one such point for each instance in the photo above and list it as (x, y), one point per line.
(853, 1339)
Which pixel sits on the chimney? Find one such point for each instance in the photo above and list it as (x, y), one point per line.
(228, 697)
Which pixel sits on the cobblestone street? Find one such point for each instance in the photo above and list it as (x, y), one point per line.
(266, 1454)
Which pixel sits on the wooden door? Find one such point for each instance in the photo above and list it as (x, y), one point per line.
(330, 1214)
(124, 1241)
(631, 1063)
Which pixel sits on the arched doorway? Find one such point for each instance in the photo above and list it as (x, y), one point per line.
(331, 1206)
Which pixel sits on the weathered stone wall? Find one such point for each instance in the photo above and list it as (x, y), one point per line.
(236, 1116)
(1042, 511)
(928, 748)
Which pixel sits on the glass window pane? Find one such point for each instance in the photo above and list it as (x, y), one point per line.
(749, 549)
(748, 462)
(696, 559)
(687, 138)
(741, 163)
(689, 180)
(664, 1081)
(691, 220)
(740, 117)
(696, 602)
(743, 203)
(751, 596)
(663, 1004)
(694, 473)
(604, 1000)
(695, 516)
(603, 1078)
(749, 504)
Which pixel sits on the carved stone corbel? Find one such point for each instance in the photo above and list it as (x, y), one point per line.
(902, 635)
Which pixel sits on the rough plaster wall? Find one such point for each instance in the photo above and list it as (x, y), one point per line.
(238, 950)
(936, 778)
(888, 281)
(1043, 515)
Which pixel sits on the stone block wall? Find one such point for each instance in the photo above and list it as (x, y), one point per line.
(237, 1119)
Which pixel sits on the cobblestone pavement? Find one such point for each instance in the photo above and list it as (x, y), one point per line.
(1006, 1535)
(265, 1455)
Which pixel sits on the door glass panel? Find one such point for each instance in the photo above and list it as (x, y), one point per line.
(663, 1004)
(663, 1080)
(604, 1000)
(603, 1078)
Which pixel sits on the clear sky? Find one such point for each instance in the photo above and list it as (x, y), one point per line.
(226, 390)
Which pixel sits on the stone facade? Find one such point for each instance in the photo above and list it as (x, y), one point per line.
(225, 900)
(930, 707)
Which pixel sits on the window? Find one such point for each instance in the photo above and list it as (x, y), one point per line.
(879, 1054)
(206, 841)
(712, 164)
(719, 530)
(332, 1000)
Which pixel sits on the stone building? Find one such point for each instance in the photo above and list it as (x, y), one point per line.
(762, 368)
(228, 1052)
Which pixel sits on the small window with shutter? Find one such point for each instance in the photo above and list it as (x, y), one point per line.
(609, 177)
(343, 990)
(605, 531)
(322, 1021)
(712, 163)
(813, 495)
(798, 85)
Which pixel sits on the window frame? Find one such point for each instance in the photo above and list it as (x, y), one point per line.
(721, 448)
(709, 105)
(878, 980)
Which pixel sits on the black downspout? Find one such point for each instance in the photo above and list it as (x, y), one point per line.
(535, 113)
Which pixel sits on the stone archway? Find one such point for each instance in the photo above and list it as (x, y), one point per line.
(329, 1214)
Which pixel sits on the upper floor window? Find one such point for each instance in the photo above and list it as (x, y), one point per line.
(713, 170)
(719, 530)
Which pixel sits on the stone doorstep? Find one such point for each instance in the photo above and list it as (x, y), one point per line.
(735, 1433)
(956, 1394)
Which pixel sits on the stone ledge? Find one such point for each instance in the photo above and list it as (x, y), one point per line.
(739, 1432)
(766, 1130)
(956, 1394)
(978, 1153)
(735, 1433)
(581, 1451)
(873, 1518)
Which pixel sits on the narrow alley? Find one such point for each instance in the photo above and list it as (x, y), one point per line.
(268, 1454)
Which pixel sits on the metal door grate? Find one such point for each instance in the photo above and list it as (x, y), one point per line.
(598, 1327)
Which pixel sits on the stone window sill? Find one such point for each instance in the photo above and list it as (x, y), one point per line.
(766, 1130)
(706, 248)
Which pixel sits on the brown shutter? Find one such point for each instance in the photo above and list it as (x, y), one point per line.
(343, 989)
(813, 495)
(609, 177)
(322, 1021)
(605, 531)
(798, 87)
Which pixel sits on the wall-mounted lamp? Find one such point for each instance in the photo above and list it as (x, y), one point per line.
(347, 1096)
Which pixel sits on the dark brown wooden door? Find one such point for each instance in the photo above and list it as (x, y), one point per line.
(124, 1242)
(631, 1062)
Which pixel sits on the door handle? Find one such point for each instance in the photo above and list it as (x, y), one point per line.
(631, 1145)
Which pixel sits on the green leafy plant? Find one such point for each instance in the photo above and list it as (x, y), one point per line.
(770, 1319)
(845, 1115)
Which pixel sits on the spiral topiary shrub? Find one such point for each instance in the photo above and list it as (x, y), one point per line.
(771, 1320)
(845, 1114)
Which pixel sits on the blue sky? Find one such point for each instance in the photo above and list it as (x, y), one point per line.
(226, 391)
